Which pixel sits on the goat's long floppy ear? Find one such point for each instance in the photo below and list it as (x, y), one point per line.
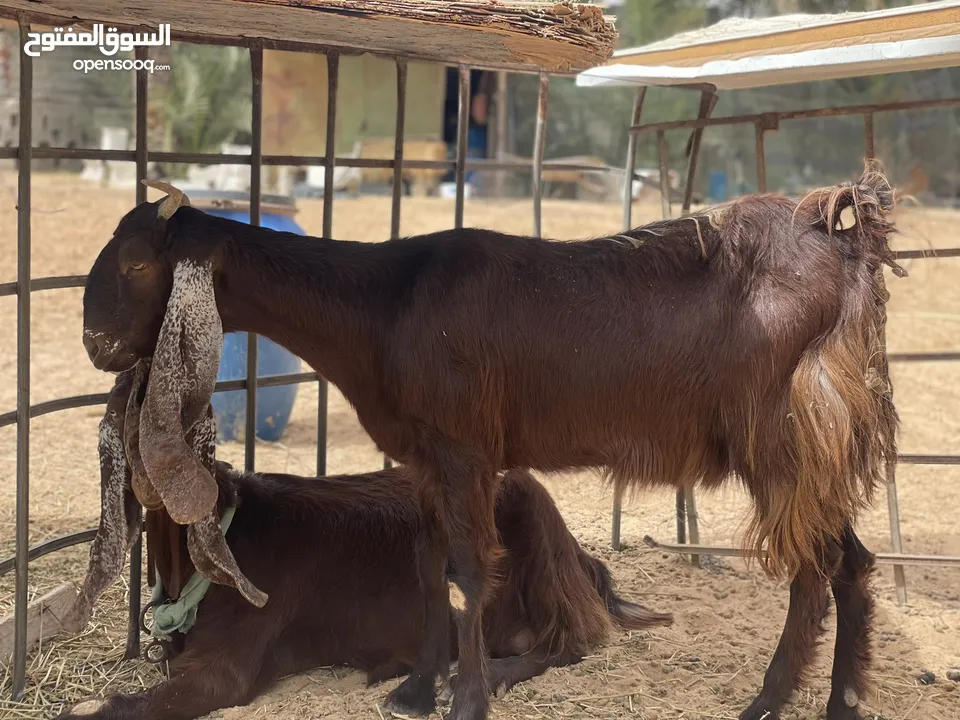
(118, 525)
(206, 543)
(174, 200)
(146, 494)
(182, 379)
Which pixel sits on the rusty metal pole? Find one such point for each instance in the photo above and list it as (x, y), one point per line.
(761, 159)
(463, 126)
(539, 143)
(24, 155)
(629, 166)
(398, 167)
(256, 164)
(330, 162)
(132, 650)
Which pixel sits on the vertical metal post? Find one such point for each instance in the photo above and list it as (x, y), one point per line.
(664, 175)
(629, 165)
(398, 166)
(25, 156)
(539, 143)
(132, 650)
(693, 521)
(681, 518)
(256, 164)
(330, 148)
(463, 126)
(893, 510)
(708, 100)
(893, 505)
(761, 159)
(502, 115)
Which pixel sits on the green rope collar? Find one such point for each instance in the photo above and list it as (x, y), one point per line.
(181, 615)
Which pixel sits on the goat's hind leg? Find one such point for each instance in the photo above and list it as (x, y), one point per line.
(809, 605)
(851, 657)
(504, 673)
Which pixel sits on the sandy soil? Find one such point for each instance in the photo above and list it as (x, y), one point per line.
(728, 617)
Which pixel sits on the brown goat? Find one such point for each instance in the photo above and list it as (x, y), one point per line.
(337, 556)
(744, 341)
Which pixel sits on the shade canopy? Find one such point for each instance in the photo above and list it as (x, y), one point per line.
(747, 53)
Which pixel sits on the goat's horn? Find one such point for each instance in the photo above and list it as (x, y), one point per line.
(175, 197)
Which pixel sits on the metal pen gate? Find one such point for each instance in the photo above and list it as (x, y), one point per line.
(686, 508)
(25, 153)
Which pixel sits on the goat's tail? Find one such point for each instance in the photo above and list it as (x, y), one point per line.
(841, 424)
(628, 615)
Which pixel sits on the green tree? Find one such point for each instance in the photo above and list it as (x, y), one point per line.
(204, 100)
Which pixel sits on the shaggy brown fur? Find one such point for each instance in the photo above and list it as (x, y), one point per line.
(337, 596)
(742, 342)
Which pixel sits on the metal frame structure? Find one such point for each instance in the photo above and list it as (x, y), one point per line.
(762, 122)
(25, 285)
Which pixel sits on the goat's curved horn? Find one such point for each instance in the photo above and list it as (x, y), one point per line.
(175, 198)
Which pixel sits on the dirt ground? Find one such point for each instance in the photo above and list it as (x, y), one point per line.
(728, 617)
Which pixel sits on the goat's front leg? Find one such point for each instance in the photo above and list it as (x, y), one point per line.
(185, 696)
(415, 696)
(474, 550)
(808, 606)
(851, 656)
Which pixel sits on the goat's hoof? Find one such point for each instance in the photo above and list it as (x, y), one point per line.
(759, 710)
(410, 700)
(843, 707)
(87, 709)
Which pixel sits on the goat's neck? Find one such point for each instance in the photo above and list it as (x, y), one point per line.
(308, 294)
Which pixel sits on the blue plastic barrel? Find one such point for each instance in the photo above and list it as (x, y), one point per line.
(274, 404)
(718, 186)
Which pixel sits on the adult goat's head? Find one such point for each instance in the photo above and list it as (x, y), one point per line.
(150, 293)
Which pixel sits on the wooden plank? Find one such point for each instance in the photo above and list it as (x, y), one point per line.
(43, 619)
(557, 37)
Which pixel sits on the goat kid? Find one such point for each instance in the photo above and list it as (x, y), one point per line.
(337, 556)
(744, 341)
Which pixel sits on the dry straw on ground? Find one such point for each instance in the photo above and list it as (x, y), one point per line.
(708, 665)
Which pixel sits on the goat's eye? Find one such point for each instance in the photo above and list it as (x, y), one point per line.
(137, 266)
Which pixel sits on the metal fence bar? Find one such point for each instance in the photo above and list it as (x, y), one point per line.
(45, 548)
(708, 101)
(539, 144)
(132, 650)
(23, 364)
(761, 158)
(256, 158)
(463, 127)
(774, 117)
(397, 199)
(478, 164)
(629, 166)
(868, 134)
(330, 163)
(725, 551)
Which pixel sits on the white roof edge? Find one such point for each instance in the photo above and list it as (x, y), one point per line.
(783, 69)
(813, 21)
